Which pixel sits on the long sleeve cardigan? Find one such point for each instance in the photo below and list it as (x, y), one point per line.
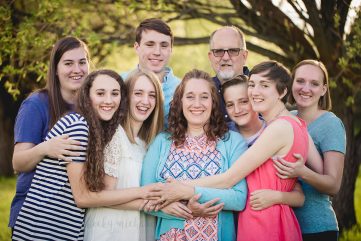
(234, 199)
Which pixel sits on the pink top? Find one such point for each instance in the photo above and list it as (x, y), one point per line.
(278, 222)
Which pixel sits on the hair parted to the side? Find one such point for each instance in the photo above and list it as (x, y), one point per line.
(277, 73)
(100, 132)
(154, 24)
(154, 123)
(57, 105)
(177, 123)
(237, 80)
(324, 102)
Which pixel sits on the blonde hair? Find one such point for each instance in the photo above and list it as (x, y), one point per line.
(154, 123)
(324, 102)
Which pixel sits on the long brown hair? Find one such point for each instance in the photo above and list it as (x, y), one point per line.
(100, 132)
(177, 123)
(57, 105)
(324, 103)
(154, 123)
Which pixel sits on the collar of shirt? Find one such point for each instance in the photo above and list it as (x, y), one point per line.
(167, 73)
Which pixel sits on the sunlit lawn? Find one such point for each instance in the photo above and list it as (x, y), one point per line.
(7, 190)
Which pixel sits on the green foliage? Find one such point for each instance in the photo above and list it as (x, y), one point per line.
(350, 62)
(336, 19)
(353, 43)
(353, 234)
(350, 65)
(11, 88)
(30, 28)
(24, 41)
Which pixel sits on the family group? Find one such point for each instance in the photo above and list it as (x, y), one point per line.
(248, 155)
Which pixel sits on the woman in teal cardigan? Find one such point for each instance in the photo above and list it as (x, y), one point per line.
(197, 144)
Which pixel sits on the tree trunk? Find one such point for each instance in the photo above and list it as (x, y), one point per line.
(343, 202)
(8, 110)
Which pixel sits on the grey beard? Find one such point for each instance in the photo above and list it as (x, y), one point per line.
(225, 75)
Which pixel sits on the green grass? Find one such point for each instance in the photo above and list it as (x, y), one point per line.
(7, 187)
(354, 233)
(358, 198)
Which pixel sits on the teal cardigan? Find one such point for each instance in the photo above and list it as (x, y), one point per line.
(234, 199)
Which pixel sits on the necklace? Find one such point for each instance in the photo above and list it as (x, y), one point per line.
(276, 116)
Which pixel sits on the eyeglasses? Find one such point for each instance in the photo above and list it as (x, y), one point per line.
(231, 52)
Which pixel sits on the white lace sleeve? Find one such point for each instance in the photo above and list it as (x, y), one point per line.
(112, 154)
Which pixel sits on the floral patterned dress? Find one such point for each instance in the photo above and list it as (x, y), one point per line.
(195, 159)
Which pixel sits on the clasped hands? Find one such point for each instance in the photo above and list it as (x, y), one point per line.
(167, 196)
(178, 199)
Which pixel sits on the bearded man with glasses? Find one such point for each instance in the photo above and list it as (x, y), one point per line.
(228, 55)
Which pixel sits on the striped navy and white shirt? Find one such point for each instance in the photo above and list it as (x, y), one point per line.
(49, 211)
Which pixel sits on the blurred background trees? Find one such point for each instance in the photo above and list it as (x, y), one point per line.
(287, 31)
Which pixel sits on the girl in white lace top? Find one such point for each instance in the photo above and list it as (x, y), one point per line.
(123, 162)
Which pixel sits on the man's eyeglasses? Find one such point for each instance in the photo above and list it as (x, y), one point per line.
(231, 52)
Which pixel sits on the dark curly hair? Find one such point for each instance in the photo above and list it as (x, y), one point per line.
(100, 132)
(215, 128)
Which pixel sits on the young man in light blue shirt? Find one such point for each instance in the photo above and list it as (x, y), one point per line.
(153, 45)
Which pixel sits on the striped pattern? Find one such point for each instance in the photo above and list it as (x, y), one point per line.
(49, 211)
